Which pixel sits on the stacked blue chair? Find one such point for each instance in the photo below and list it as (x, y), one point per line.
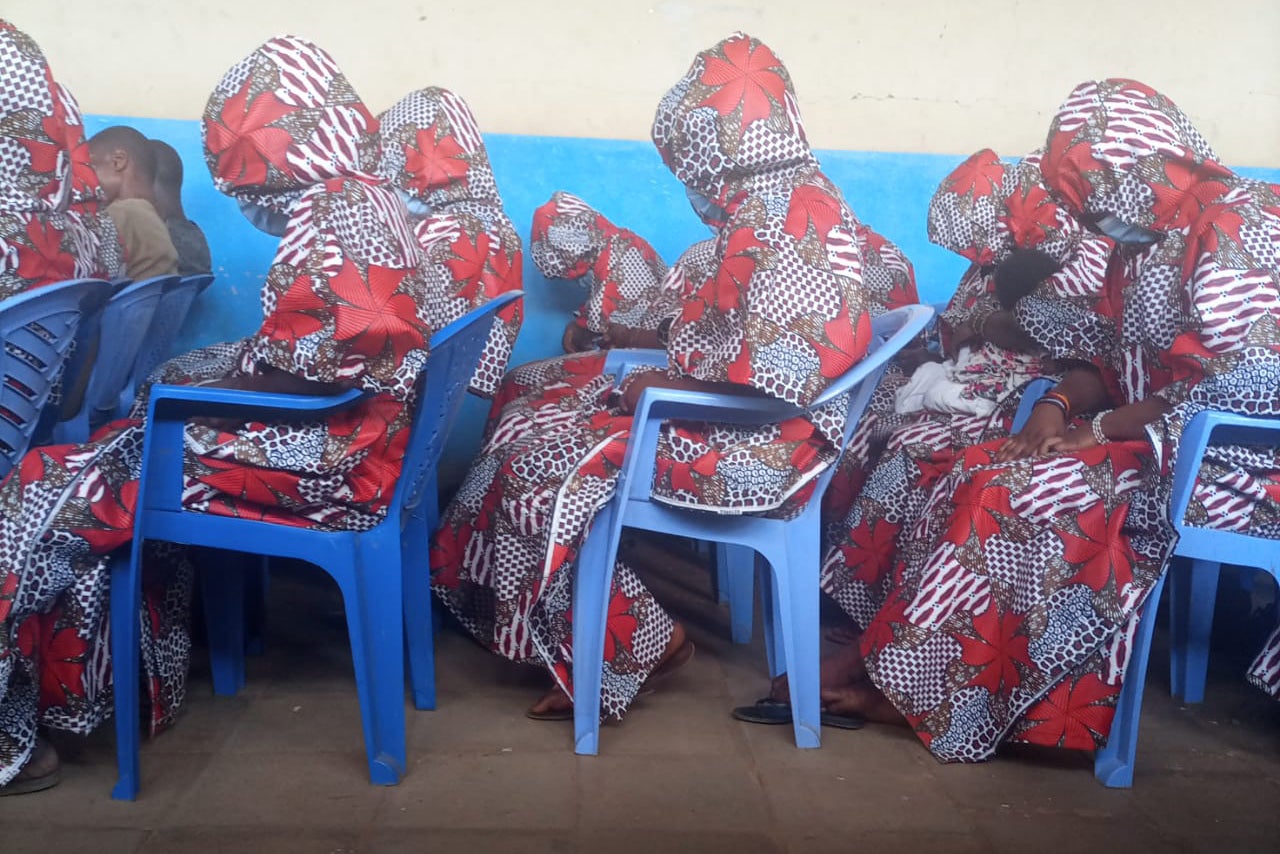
(383, 573)
(121, 331)
(38, 329)
(157, 345)
(791, 548)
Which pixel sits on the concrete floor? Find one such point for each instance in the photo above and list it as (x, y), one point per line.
(280, 768)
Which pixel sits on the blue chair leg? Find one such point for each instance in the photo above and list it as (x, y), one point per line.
(1113, 764)
(772, 619)
(796, 570)
(590, 616)
(1193, 591)
(418, 612)
(738, 563)
(223, 592)
(720, 552)
(374, 604)
(255, 604)
(126, 605)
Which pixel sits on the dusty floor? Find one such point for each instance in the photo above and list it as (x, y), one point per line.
(280, 768)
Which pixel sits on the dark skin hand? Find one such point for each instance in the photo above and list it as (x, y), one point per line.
(1083, 387)
(914, 356)
(624, 337)
(1125, 423)
(1001, 328)
(577, 339)
(962, 333)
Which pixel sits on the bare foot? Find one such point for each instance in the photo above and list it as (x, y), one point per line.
(42, 771)
(843, 668)
(678, 652)
(554, 705)
(864, 699)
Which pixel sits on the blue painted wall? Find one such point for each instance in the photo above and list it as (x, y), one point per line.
(625, 180)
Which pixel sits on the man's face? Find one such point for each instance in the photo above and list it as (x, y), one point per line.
(110, 166)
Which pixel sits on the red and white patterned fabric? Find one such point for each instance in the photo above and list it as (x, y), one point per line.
(985, 210)
(347, 299)
(432, 151)
(39, 243)
(781, 309)
(1012, 609)
(621, 272)
(627, 283)
(345, 302)
(284, 120)
(1197, 319)
(982, 211)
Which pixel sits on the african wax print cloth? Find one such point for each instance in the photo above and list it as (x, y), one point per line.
(982, 211)
(1012, 610)
(344, 302)
(39, 243)
(781, 310)
(433, 152)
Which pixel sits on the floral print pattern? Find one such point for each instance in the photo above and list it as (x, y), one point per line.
(433, 152)
(780, 308)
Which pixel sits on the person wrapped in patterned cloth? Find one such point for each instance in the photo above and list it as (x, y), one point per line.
(782, 313)
(1001, 218)
(1011, 615)
(433, 153)
(345, 305)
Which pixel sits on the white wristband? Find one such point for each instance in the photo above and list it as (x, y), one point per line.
(1095, 426)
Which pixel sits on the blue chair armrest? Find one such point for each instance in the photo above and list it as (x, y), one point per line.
(181, 401)
(661, 404)
(621, 362)
(1230, 428)
(171, 405)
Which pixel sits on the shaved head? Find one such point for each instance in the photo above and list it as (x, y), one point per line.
(131, 142)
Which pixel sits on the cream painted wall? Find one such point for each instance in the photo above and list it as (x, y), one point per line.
(889, 75)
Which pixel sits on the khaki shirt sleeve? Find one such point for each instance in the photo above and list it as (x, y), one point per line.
(148, 250)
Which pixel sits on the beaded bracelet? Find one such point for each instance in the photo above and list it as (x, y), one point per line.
(1058, 399)
(1095, 426)
(1054, 401)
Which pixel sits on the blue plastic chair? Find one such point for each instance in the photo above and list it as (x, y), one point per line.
(383, 573)
(170, 313)
(1031, 393)
(738, 588)
(789, 547)
(1113, 764)
(119, 334)
(38, 329)
(1193, 575)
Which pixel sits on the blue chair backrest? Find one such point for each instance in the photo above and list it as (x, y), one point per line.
(455, 352)
(124, 325)
(171, 312)
(38, 329)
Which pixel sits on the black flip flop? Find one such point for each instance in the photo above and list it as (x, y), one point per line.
(770, 711)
